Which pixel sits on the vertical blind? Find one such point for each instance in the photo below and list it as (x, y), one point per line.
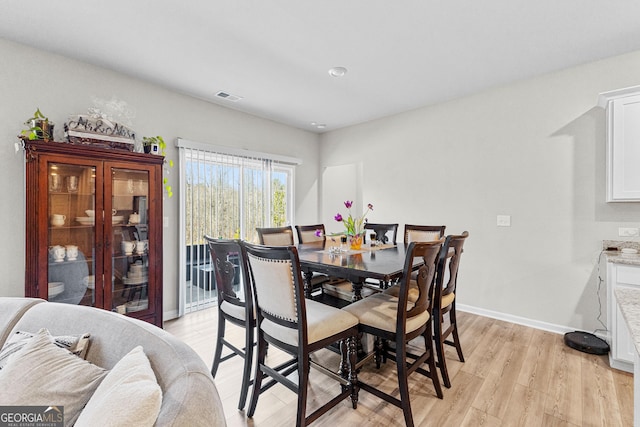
(225, 193)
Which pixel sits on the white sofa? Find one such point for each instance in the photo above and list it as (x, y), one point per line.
(189, 394)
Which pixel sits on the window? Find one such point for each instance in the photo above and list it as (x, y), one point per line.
(227, 193)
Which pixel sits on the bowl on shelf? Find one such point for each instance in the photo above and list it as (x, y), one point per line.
(90, 212)
(55, 289)
(86, 220)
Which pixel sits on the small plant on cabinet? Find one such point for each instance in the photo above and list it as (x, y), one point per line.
(156, 145)
(39, 127)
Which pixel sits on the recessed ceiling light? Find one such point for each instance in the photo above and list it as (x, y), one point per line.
(337, 71)
(321, 126)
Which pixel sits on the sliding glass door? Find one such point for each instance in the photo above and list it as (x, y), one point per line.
(226, 195)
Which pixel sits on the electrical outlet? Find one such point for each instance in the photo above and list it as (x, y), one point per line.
(628, 232)
(503, 221)
(165, 221)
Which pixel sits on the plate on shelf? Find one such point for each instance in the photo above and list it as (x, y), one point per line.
(117, 219)
(55, 288)
(86, 220)
(139, 305)
(135, 280)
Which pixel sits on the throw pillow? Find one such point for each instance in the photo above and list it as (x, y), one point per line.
(129, 395)
(43, 374)
(76, 344)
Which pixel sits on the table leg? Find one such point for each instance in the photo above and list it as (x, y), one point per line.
(353, 375)
(357, 291)
(307, 283)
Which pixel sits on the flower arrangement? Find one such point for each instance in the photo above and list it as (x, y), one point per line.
(354, 226)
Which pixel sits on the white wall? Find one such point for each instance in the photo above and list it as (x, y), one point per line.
(534, 150)
(31, 78)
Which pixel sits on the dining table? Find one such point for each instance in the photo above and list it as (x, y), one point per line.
(383, 262)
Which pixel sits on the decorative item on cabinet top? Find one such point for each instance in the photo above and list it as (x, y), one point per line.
(156, 145)
(39, 127)
(107, 124)
(86, 129)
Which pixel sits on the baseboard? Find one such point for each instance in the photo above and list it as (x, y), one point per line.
(170, 315)
(549, 327)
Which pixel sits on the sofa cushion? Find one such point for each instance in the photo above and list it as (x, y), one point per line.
(128, 395)
(76, 344)
(43, 374)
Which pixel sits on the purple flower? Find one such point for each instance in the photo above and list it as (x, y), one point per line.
(348, 204)
(338, 217)
(318, 233)
(370, 206)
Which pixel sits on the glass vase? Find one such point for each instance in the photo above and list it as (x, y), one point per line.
(355, 241)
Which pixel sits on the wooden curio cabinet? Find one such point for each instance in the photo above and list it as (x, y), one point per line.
(94, 228)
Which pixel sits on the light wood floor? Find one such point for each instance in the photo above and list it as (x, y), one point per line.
(513, 376)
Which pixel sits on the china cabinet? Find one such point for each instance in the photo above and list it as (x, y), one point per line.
(623, 143)
(94, 228)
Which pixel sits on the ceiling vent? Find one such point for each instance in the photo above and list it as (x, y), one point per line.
(228, 96)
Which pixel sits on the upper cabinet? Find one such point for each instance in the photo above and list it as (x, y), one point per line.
(623, 143)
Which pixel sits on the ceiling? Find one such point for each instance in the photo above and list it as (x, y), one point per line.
(400, 55)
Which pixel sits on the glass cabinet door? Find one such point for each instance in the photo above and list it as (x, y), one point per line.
(130, 240)
(72, 233)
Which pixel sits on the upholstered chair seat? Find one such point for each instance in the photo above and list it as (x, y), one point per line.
(381, 311)
(323, 321)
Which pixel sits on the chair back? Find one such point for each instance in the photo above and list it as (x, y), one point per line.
(278, 291)
(424, 279)
(275, 236)
(385, 233)
(227, 272)
(307, 233)
(423, 233)
(448, 264)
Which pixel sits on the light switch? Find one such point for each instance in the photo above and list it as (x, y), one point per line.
(504, 221)
(165, 221)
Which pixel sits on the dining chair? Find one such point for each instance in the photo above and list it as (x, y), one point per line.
(275, 236)
(315, 281)
(423, 233)
(398, 320)
(417, 233)
(445, 301)
(385, 233)
(299, 327)
(309, 233)
(234, 306)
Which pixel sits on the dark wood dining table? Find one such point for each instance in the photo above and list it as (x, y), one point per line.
(384, 263)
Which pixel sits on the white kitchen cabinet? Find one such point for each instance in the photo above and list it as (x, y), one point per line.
(623, 143)
(623, 350)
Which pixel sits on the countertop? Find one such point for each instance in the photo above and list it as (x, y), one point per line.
(613, 254)
(629, 302)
